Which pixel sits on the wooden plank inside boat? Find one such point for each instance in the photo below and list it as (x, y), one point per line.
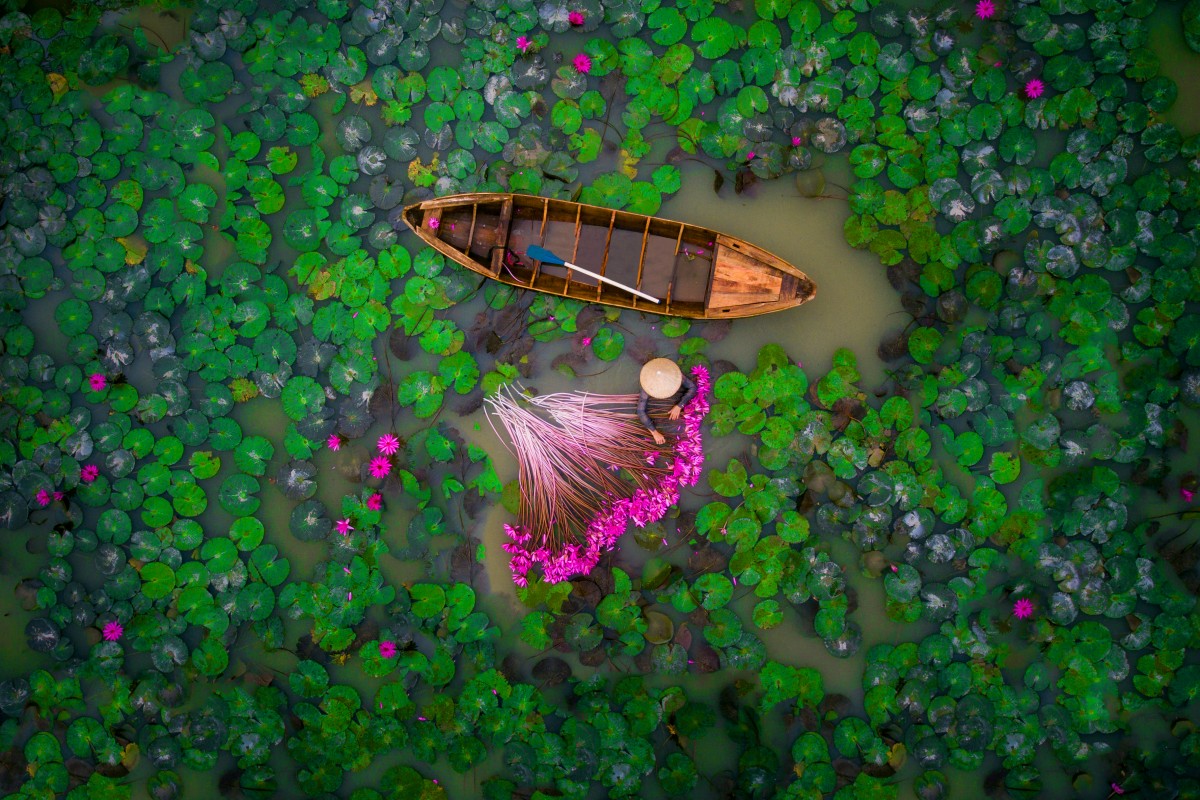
(691, 277)
(591, 253)
(659, 263)
(624, 256)
(559, 237)
(741, 279)
(470, 229)
(502, 229)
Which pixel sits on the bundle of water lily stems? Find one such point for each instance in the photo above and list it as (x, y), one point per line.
(587, 468)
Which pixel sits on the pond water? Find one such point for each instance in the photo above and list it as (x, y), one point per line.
(990, 704)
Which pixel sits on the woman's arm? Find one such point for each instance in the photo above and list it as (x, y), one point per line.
(689, 391)
(643, 399)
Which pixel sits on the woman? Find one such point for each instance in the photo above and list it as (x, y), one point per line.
(587, 468)
(661, 379)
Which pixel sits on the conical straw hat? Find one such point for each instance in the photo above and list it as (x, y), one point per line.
(661, 378)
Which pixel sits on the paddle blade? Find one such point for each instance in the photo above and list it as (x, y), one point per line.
(543, 255)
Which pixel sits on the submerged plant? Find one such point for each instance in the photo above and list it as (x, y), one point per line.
(587, 468)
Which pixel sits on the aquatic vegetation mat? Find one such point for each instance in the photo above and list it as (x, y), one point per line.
(241, 484)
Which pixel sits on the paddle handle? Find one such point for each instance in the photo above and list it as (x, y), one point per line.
(611, 282)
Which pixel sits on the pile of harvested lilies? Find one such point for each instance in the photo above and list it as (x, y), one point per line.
(587, 468)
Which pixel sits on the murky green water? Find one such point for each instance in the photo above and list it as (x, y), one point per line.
(856, 308)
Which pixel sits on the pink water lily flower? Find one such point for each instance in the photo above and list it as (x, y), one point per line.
(796, 140)
(576, 18)
(1023, 608)
(381, 467)
(89, 473)
(344, 527)
(1034, 88)
(43, 498)
(985, 9)
(389, 444)
(582, 64)
(375, 502)
(97, 381)
(434, 223)
(387, 649)
(113, 631)
(1187, 494)
(334, 442)
(522, 43)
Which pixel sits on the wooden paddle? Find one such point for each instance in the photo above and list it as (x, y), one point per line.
(546, 257)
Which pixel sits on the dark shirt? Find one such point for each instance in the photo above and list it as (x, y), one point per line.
(689, 391)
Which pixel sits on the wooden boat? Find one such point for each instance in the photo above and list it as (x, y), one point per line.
(695, 272)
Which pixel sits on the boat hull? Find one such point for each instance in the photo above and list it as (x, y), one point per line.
(694, 272)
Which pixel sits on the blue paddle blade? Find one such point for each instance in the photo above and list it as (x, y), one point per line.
(543, 255)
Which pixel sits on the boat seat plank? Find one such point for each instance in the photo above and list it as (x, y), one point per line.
(485, 231)
(502, 235)
(454, 227)
(683, 231)
(624, 255)
(523, 233)
(537, 265)
(692, 272)
(561, 241)
(612, 223)
(591, 253)
(660, 260)
(430, 213)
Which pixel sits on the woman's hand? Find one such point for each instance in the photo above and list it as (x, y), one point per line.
(658, 437)
(674, 413)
